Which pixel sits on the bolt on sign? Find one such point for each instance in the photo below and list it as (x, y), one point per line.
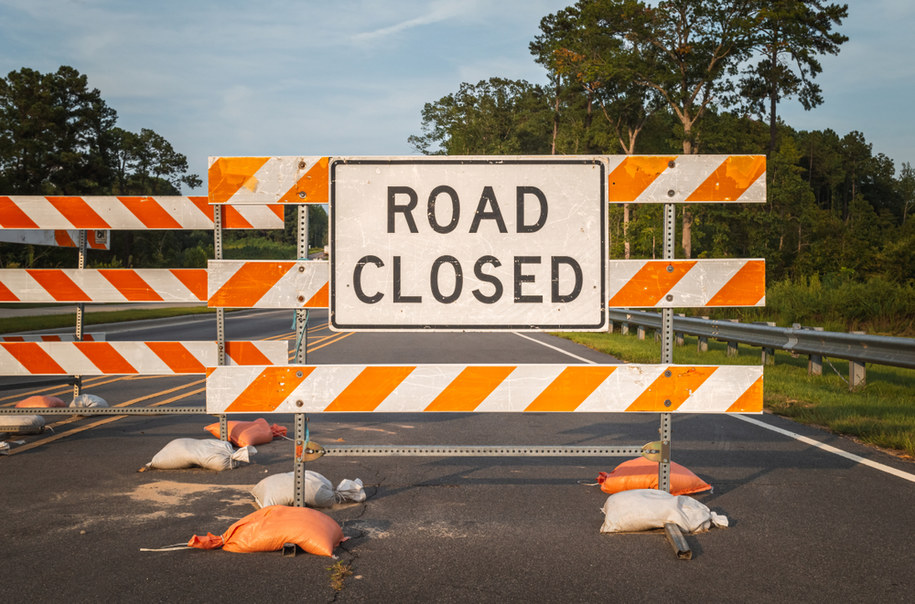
(468, 243)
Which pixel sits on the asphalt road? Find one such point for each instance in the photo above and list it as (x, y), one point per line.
(807, 525)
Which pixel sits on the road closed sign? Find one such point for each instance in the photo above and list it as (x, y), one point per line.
(468, 243)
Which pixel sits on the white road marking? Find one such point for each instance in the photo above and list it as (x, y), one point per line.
(830, 449)
(815, 443)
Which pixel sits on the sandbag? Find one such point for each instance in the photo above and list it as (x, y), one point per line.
(207, 453)
(641, 473)
(269, 528)
(279, 489)
(243, 434)
(87, 401)
(646, 509)
(40, 401)
(21, 424)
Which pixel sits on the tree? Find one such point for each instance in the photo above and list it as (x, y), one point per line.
(495, 116)
(790, 34)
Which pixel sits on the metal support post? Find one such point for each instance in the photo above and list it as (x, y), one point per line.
(301, 440)
(80, 308)
(220, 313)
(301, 315)
(667, 349)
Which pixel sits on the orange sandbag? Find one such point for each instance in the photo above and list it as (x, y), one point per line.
(641, 473)
(41, 401)
(242, 434)
(267, 529)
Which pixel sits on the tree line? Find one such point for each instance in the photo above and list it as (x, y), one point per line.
(58, 136)
(701, 76)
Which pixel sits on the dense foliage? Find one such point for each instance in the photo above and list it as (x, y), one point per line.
(703, 76)
(59, 137)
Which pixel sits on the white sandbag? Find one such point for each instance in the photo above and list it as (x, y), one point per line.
(279, 489)
(88, 400)
(207, 453)
(646, 509)
(21, 424)
(350, 490)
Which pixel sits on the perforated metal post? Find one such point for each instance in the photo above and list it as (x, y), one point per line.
(667, 349)
(78, 334)
(220, 313)
(301, 442)
(301, 315)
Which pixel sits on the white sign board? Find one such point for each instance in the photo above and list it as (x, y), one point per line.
(468, 243)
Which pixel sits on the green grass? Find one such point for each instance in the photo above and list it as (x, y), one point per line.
(68, 321)
(882, 413)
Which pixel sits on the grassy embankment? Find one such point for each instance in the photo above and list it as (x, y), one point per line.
(882, 413)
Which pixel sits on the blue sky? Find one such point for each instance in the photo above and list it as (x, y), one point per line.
(350, 77)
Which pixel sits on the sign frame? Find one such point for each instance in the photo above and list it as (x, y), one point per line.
(595, 320)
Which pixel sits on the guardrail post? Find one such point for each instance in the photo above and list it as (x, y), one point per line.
(857, 376)
(640, 330)
(815, 361)
(768, 354)
(732, 346)
(624, 328)
(680, 339)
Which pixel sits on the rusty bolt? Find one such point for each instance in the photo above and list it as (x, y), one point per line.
(671, 164)
(302, 195)
(299, 404)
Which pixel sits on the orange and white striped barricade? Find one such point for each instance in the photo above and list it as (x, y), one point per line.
(631, 179)
(686, 283)
(104, 285)
(126, 358)
(484, 388)
(260, 180)
(267, 284)
(687, 179)
(95, 239)
(130, 213)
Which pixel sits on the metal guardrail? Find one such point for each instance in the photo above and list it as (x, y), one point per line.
(880, 350)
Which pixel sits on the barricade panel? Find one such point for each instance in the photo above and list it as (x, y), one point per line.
(120, 358)
(484, 388)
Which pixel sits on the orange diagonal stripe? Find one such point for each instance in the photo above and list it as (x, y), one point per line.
(683, 381)
(63, 239)
(750, 401)
(269, 389)
(195, 279)
(6, 294)
(78, 212)
(731, 179)
(369, 389)
(11, 217)
(651, 283)
(150, 212)
(314, 184)
(232, 219)
(634, 174)
(745, 288)
(130, 285)
(570, 388)
(470, 388)
(33, 357)
(246, 353)
(178, 358)
(249, 284)
(59, 285)
(228, 175)
(104, 356)
(320, 299)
